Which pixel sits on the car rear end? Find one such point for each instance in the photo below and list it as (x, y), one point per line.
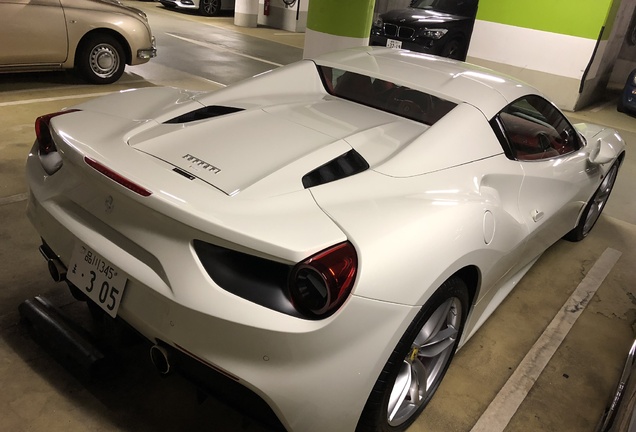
(154, 247)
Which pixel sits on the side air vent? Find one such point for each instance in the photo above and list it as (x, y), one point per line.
(204, 113)
(343, 166)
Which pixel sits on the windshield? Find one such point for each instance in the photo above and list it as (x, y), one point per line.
(466, 8)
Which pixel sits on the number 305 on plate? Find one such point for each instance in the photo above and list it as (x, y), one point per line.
(101, 281)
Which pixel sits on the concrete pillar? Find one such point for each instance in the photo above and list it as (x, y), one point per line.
(290, 15)
(561, 47)
(246, 13)
(626, 29)
(337, 24)
(382, 6)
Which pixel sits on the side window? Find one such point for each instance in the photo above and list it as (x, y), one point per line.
(536, 130)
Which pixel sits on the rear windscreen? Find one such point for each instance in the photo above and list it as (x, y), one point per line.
(385, 95)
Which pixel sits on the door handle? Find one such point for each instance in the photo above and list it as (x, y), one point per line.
(537, 215)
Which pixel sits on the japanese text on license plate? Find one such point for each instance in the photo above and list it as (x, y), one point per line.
(102, 282)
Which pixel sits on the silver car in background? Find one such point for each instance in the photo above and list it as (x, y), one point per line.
(205, 7)
(97, 38)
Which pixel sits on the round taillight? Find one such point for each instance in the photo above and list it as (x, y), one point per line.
(311, 289)
(319, 285)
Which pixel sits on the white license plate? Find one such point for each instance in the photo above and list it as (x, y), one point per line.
(391, 43)
(102, 282)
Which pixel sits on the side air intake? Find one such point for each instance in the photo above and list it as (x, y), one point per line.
(203, 113)
(343, 166)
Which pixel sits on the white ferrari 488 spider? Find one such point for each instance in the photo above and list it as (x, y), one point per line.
(326, 234)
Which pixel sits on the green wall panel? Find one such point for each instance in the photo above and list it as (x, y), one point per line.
(350, 18)
(582, 18)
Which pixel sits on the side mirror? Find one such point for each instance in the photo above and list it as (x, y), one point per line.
(602, 152)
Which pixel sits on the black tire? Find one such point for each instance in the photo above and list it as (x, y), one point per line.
(620, 107)
(210, 7)
(442, 316)
(454, 49)
(100, 59)
(594, 207)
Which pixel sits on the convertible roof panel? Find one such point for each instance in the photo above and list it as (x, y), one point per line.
(442, 77)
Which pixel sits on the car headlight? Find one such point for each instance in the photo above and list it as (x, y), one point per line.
(634, 80)
(433, 33)
(378, 22)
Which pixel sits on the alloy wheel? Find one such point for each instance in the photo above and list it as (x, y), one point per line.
(425, 364)
(599, 200)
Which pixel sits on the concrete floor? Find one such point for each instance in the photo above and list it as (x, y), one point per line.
(38, 394)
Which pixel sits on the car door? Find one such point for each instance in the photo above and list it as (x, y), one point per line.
(558, 178)
(32, 32)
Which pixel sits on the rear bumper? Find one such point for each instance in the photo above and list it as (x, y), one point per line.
(296, 366)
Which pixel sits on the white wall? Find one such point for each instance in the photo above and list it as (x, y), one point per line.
(291, 18)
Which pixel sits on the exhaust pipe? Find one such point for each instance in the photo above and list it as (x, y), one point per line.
(161, 359)
(56, 268)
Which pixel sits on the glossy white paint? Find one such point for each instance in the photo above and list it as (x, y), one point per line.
(439, 76)
(434, 200)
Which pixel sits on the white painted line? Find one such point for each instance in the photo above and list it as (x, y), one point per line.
(221, 48)
(601, 106)
(505, 405)
(53, 99)
(13, 199)
(213, 82)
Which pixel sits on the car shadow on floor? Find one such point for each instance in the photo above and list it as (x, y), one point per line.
(130, 395)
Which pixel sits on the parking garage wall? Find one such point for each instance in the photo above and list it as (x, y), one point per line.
(335, 24)
(563, 48)
(382, 6)
(626, 61)
(290, 15)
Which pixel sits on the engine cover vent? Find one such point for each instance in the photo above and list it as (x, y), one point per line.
(343, 166)
(203, 113)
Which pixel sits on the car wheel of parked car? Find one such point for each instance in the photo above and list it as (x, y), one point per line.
(594, 207)
(454, 49)
(101, 59)
(418, 363)
(210, 7)
(620, 106)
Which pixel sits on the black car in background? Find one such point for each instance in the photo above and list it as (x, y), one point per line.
(440, 27)
(627, 100)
